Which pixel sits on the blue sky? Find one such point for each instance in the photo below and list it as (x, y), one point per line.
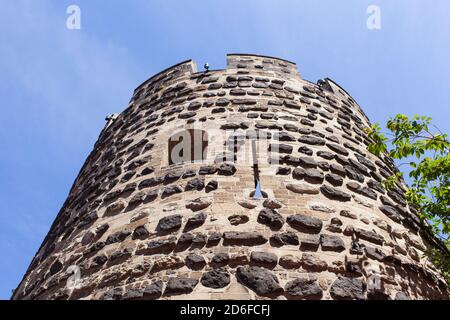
(57, 85)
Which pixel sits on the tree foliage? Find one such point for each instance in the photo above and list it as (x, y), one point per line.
(426, 152)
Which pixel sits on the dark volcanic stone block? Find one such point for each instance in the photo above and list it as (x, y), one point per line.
(152, 182)
(118, 236)
(260, 280)
(154, 290)
(337, 148)
(195, 262)
(311, 140)
(305, 150)
(216, 279)
(158, 246)
(207, 170)
(347, 289)
(283, 136)
(243, 238)
(264, 259)
(307, 162)
(391, 212)
(331, 243)
(312, 262)
(305, 223)
(170, 223)
(141, 233)
(280, 148)
(195, 184)
(226, 169)
(310, 243)
(314, 176)
(271, 218)
(169, 191)
(176, 286)
(286, 238)
(299, 173)
(337, 169)
(196, 221)
(303, 288)
(334, 193)
(334, 179)
(211, 186)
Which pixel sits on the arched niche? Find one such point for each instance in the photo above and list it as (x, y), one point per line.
(188, 145)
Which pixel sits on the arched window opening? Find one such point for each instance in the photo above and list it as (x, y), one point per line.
(187, 146)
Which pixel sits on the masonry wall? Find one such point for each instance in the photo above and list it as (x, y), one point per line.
(135, 227)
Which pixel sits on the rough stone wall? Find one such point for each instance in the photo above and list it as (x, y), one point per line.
(135, 227)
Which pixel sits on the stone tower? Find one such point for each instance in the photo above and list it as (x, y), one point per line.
(243, 183)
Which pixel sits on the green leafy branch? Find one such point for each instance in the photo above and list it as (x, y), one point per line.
(427, 149)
